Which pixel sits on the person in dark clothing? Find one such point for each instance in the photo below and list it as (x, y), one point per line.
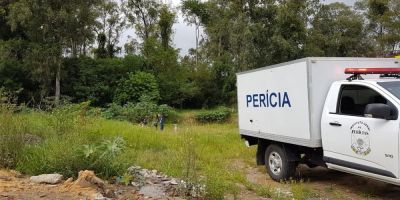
(161, 120)
(155, 123)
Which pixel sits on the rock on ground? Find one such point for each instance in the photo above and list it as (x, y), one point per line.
(47, 178)
(153, 191)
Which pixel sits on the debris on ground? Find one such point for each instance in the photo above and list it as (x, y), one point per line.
(47, 178)
(156, 184)
(89, 181)
(136, 184)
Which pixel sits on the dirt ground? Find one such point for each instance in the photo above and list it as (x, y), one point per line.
(14, 186)
(339, 185)
(326, 184)
(330, 184)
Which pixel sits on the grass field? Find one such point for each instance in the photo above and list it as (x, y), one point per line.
(70, 141)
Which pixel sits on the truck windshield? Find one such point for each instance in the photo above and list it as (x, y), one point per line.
(392, 86)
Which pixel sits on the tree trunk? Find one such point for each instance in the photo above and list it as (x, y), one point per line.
(84, 48)
(58, 90)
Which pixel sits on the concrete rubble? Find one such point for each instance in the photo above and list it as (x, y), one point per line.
(47, 178)
(156, 184)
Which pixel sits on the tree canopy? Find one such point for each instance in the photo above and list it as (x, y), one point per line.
(71, 49)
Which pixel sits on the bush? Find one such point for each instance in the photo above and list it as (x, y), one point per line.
(168, 112)
(143, 111)
(135, 86)
(219, 115)
(140, 112)
(114, 111)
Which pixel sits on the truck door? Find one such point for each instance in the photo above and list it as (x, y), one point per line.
(355, 141)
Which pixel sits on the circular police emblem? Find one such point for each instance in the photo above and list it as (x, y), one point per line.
(360, 142)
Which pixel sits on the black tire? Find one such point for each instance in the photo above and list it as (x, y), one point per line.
(278, 172)
(311, 165)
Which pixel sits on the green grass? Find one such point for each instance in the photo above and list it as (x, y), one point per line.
(198, 153)
(209, 154)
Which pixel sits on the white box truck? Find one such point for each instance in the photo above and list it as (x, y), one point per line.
(340, 113)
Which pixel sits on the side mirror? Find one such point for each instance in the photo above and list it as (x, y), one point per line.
(378, 110)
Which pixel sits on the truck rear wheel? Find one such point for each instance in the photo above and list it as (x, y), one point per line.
(277, 164)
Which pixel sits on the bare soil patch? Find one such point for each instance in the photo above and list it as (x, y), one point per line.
(13, 185)
(330, 184)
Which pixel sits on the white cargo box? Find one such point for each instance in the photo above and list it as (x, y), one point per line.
(284, 102)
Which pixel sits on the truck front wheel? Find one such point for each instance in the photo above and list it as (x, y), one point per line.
(277, 164)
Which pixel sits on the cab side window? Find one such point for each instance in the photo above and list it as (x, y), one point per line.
(354, 98)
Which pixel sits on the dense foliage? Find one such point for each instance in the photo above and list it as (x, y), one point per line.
(219, 115)
(69, 49)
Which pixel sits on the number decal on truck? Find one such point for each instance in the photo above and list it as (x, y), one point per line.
(360, 142)
(388, 155)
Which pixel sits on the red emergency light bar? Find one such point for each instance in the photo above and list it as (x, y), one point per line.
(372, 71)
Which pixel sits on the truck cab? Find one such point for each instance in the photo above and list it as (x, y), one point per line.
(360, 127)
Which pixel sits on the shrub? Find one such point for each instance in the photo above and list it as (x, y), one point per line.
(143, 111)
(135, 86)
(168, 112)
(219, 115)
(140, 112)
(165, 110)
(114, 111)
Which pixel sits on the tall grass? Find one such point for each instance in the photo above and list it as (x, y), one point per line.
(73, 142)
(12, 131)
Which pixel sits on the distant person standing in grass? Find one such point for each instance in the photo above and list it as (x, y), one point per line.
(162, 120)
(155, 123)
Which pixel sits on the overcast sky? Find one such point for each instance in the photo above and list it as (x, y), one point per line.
(184, 34)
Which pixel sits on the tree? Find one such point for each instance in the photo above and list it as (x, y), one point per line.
(56, 28)
(165, 23)
(383, 23)
(111, 26)
(5, 30)
(143, 15)
(131, 46)
(337, 30)
(101, 51)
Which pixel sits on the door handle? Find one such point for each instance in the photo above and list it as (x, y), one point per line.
(335, 124)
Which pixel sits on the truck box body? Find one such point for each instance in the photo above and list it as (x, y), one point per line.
(284, 102)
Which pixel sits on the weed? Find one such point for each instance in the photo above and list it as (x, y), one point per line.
(300, 190)
(126, 178)
(12, 131)
(103, 152)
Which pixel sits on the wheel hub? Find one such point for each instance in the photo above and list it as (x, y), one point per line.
(275, 163)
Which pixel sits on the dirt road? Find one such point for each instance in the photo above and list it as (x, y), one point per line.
(330, 184)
